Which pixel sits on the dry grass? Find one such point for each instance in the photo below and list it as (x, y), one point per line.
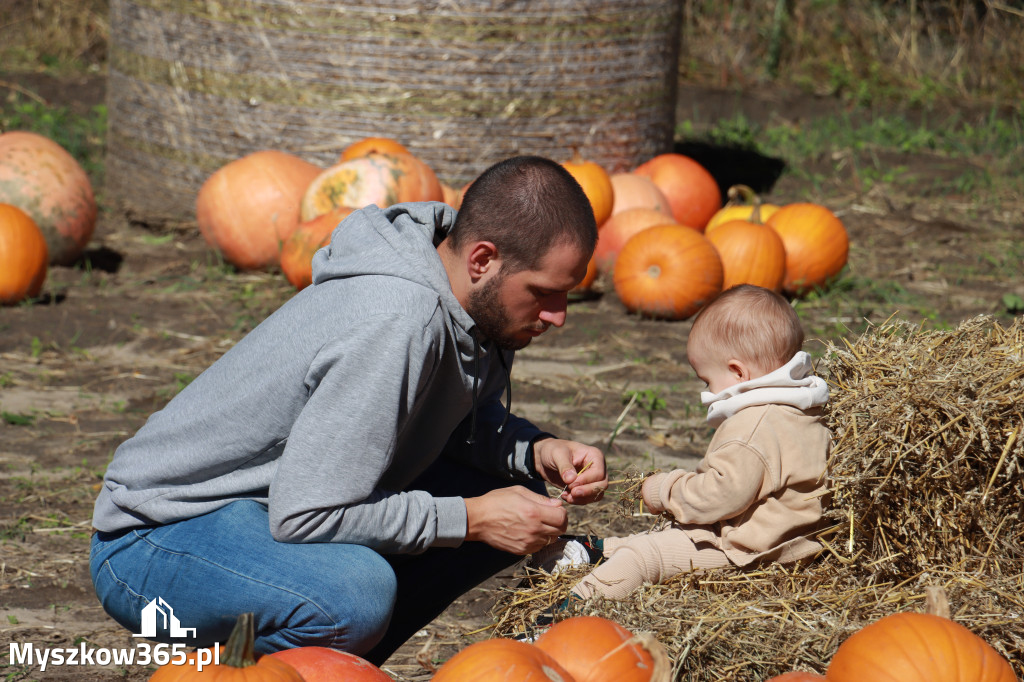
(55, 34)
(925, 477)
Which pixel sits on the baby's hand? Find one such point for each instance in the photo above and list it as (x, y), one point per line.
(650, 492)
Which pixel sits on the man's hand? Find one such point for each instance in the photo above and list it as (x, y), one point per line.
(577, 468)
(515, 519)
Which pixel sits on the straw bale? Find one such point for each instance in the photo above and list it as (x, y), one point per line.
(194, 84)
(925, 480)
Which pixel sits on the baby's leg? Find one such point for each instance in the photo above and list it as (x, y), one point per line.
(646, 558)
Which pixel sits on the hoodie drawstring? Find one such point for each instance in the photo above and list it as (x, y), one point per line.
(476, 382)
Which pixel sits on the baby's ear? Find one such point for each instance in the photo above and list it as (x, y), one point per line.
(740, 370)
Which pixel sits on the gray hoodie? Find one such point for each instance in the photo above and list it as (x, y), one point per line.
(329, 409)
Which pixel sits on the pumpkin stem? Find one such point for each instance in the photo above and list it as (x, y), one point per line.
(240, 651)
(741, 195)
(936, 602)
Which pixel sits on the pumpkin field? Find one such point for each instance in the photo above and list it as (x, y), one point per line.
(925, 191)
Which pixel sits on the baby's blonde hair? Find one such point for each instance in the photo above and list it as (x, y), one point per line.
(751, 323)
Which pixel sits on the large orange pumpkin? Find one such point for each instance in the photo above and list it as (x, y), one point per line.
(596, 649)
(23, 256)
(250, 206)
(378, 179)
(596, 184)
(238, 662)
(501, 660)
(917, 647)
(638, 191)
(320, 664)
(816, 242)
(307, 239)
(618, 229)
(372, 145)
(751, 253)
(690, 189)
(668, 271)
(743, 204)
(42, 179)
(587, 283)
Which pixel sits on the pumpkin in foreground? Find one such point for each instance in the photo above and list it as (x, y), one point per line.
(501, 660)
(618, 230)
(320, 664)
(42, 179)
(668, 272)
(238, 662)
(596, 649)
(751, 253)
(23, 256)
(248, 208)
(917, 647)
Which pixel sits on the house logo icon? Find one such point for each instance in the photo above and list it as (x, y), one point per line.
(170, 622)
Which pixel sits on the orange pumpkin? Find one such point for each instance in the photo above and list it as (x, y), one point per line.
(379, 179)
(743, 204)
(917, 647)
(668, 271)
(638, 191)
(451, 196)
(250, 206)
(596, 184)
(596, 649)
(501, 660)
(23, 256)
(372, 145)
(618, 229)
(751, 253)
(42, 179)
(238, 662)
(587, 283)
(816, 242)
(307, 239)
(320, 664)
(691, 190)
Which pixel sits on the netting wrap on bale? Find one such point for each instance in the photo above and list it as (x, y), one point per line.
(194, 84)
(926, 490)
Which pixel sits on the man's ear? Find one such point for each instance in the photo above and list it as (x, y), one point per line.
(482, 258)
(739, 370)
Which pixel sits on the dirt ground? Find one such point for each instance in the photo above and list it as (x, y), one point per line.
(117, 335)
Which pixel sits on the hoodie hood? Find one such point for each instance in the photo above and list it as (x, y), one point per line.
(398, 241)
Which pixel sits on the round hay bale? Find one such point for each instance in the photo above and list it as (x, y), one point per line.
(194, 84)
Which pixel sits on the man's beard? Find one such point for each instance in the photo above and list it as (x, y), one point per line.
(484, 306)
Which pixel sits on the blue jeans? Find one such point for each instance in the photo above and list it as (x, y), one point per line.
(211, 568)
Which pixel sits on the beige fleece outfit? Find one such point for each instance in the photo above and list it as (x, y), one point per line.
(756, 496)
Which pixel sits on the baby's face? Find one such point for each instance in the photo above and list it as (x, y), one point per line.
(717, 373)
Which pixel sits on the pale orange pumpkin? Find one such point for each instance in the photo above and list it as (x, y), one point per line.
(917, 647)
(238, 662)
(23, 256)
(501, 660)
(692, 191)
(638, 191)
(451, 196)
(42, 179)
(377, 179)
(751, 253)
(250, 206)
(306, 240)
(743, 204)
(596, 649)
(320, 664)
(618, 229)
(668, 271)
(816, 242)
(596, 184)
(372, 145)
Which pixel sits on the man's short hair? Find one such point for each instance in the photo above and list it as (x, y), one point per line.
(525, 205)
(751, 323)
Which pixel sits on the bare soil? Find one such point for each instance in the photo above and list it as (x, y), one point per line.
(117, 335)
